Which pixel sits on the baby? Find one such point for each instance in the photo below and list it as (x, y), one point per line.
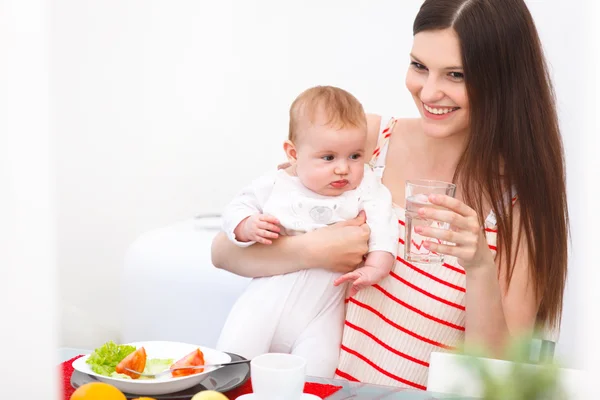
(327, 182)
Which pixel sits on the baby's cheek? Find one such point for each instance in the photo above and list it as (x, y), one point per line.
(321, 174)
(360, 174)
(313, 177)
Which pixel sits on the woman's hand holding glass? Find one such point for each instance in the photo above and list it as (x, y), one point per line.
(465, 239)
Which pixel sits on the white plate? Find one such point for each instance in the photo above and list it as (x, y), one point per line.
(166, 383)
(305, 396)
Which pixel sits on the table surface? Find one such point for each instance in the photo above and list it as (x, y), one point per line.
(350, 390)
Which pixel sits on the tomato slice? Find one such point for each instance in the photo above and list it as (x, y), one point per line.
(135, 361)
(193, 359)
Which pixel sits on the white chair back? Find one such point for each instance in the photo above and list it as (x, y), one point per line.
(171, 290)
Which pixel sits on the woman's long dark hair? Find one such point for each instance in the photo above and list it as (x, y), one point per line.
(515, 140)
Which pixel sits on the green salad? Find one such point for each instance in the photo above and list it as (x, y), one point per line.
(105, 359)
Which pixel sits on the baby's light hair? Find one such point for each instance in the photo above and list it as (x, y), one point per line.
(339, 107)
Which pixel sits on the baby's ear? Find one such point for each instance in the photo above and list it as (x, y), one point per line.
(290, 151)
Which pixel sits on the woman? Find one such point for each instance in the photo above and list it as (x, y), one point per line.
(488, 123)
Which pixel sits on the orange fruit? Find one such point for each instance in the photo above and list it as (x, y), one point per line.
(97, 391)
(209, 395)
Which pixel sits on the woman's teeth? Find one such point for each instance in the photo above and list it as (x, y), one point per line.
(439, 111)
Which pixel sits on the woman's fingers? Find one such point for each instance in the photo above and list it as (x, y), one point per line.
(341, 245)
(446, 235)
(464, 253)
(464, 238)
(455, 220)
(452, 204)
(358, 221)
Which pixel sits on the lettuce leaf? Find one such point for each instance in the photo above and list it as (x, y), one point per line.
(153, 366)
(104, 359)
(156, 365)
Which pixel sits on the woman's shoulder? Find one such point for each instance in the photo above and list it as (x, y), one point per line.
(407, 124)
(376, 123)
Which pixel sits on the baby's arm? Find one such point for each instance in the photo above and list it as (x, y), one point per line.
(242, 219)
(383, 242)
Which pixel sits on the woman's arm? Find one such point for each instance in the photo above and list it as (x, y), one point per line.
(497, 312)
(339, 248)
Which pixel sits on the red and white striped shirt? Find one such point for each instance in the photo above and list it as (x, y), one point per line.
(391, 328)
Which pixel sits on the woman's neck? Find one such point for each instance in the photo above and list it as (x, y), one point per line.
(436, 157)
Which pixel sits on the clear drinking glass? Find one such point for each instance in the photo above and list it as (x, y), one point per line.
(417, 196)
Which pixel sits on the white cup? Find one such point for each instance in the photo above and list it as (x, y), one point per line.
(278, 376)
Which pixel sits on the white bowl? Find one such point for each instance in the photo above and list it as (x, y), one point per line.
(166, 383)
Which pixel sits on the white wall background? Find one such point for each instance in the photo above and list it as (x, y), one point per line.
(27, 223)
(165, 109)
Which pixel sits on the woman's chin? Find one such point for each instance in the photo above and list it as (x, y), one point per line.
(438, 129)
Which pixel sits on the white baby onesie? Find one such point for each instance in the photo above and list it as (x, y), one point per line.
(301, 312)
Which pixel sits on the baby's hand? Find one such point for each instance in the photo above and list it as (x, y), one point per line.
(363, 277)
(377, 266)
(260, 228)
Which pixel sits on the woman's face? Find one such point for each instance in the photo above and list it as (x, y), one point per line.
(436, 81)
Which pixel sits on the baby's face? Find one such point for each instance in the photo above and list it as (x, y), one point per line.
(331, 161)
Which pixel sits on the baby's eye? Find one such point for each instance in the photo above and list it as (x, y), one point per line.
(327, 158)
(356, 156)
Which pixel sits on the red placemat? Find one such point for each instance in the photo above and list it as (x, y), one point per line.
(65, 370)
(318, 389)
